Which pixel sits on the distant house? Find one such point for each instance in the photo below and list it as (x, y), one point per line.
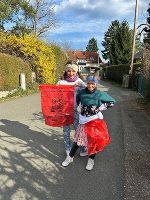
(88, 62)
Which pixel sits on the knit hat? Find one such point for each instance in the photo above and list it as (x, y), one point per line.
(92, 78)
(71, 66)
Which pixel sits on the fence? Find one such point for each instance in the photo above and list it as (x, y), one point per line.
(142, 85)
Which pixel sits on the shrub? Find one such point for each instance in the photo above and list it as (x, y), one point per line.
(146, 62)
(116, 72)
(61, 60)
(10, 68)
(36, 51)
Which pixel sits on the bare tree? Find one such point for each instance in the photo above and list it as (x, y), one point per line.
(44, 16)
(66, 45)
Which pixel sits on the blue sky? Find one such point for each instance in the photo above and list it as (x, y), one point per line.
(80, 20)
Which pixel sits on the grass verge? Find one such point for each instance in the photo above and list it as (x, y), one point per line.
(20, 93)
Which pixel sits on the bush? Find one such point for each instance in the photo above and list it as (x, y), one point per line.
(116, 72)
(37, 52)
(10, 68)
(61, 60)
(146, 62)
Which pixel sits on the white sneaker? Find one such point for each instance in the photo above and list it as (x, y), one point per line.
(90, 164)
(67, 161)
(83, 153)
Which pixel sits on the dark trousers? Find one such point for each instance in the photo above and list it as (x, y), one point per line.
(74, 149)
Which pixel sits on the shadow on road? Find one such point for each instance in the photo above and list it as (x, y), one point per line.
(29, 162)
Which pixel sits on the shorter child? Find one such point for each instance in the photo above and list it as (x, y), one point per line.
(92, 130)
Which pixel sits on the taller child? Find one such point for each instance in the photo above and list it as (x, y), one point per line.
(71, 77)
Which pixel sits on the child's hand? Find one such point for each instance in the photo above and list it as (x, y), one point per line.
(110, 104)
(79, 108)
(77, 84)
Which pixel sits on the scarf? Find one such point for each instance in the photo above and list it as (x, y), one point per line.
(67, 78)
(90, 92)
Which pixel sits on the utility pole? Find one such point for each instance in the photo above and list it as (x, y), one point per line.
(134, 36)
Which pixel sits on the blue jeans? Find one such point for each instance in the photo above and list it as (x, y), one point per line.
(66, 131)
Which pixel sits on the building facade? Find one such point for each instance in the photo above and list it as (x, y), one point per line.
(88, 62)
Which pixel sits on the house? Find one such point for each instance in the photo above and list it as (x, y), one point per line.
(88, 62)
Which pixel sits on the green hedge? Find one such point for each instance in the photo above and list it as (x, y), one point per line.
(61, 60)
(10, 68)
(116, 72)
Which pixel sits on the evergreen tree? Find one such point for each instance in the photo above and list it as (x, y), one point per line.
(123, 44)
(147, 29)
(117, 43)
(108, 42)
(138, 44)
(92, 45)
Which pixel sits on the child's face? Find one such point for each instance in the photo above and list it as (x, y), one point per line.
(71, 73)
(91, 85)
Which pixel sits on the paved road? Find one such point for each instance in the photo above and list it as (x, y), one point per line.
(31, 154)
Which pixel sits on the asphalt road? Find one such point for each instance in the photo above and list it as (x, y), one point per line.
(31, 154)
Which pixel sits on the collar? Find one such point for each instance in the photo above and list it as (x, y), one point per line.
(90, 92)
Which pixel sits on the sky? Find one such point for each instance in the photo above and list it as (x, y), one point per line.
(80, 20)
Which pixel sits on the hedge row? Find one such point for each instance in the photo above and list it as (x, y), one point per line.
(116, 72)
(47, 60)
(30, 48)
(10, 69)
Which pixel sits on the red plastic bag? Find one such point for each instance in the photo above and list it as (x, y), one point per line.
(57, 102)
(97, 135)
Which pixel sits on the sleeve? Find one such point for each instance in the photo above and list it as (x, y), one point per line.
(83, 85)
(78, 98)
(58, 83)
(106, 98)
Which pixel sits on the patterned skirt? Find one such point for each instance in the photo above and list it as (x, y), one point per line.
(80, 136)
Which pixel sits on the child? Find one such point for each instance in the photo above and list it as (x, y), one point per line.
(92, 130)
(71, 77)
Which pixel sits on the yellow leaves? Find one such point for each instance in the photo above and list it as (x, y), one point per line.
(41, 54)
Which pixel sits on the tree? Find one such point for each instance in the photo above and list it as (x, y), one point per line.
(117, 43)
(44, 16)
(138, 44)
(28, 16)
(108, 40)
(147, 28)
(92, 45)
(11, 9)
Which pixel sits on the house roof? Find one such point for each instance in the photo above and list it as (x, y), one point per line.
(80, 54)
(91, 57)
(71, 56)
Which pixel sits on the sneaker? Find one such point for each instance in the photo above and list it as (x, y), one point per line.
(83, 153)
(90, 164)
(67, 161)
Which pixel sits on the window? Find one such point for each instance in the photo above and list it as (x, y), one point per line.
(91, 58)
